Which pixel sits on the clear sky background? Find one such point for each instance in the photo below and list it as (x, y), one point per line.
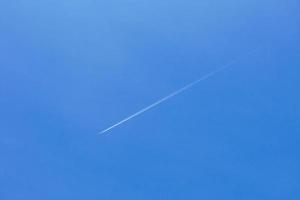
(69, 69)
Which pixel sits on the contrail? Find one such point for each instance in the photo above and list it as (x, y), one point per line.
(177, 92)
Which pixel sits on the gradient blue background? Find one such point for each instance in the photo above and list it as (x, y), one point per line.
(69, 69)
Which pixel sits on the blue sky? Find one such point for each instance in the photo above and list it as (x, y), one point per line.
(69, 69)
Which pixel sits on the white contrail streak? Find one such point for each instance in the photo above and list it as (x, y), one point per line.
(177, 92)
